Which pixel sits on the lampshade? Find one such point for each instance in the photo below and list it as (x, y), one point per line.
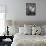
(9, 22)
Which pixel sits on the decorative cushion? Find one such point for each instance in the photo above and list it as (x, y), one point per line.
(23, 30)
(36, 30)
(28, 26)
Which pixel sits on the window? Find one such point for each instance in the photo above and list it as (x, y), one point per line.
(2, 19)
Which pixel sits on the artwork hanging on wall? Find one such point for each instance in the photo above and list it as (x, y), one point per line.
(30, 9)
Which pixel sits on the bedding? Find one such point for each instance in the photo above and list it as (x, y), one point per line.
(28, 40)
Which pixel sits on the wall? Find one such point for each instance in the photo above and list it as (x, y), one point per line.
(20, 12)
(17, 10)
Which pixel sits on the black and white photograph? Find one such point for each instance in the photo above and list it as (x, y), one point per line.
(30, 9)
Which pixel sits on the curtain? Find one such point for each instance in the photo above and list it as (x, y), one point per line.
(2, 19)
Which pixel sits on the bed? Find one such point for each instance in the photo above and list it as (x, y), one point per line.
(29, 40)
(21, 39)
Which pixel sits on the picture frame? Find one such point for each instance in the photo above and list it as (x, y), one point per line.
(30, 9)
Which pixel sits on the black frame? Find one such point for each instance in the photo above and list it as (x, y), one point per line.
(30, 9)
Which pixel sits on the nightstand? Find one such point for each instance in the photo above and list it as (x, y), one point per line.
(6, 40)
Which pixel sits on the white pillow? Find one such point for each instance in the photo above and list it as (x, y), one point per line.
(28, 31)
(28, 26)
(13, 30)
(21, 30)
(36, 30)
(44, 27)
(42, 30)
(24, 30)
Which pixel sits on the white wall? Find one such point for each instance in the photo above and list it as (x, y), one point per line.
(17, 10)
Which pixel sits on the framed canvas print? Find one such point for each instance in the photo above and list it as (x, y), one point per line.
(30, 9)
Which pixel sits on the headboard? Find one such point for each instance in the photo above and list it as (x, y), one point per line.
(21, 23)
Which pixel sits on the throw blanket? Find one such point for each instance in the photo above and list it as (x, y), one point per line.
(29, 40)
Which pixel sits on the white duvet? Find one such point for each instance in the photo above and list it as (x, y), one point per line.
(29, 40)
